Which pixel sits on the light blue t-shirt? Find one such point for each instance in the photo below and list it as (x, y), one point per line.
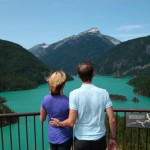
(90, 103)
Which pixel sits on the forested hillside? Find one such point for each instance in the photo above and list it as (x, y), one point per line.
(127, 59)
(19, 69)
(130, 58)
(142, 85)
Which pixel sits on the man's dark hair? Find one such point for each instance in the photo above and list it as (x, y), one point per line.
(85, 71)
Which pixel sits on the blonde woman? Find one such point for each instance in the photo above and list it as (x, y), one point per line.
(56, 105)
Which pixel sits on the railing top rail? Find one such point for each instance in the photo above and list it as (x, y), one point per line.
(130, 110)
(38, 113)
(20, 114)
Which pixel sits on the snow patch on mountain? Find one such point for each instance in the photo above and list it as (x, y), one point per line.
(113, 40)
(44, 46)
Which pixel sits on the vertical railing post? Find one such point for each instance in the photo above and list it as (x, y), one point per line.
(42, 136)
(34, 133)
(19, 134)
(10, 133)
(27, 132)
(116, 123)
(124, 129)
(131, 139)
(147, 139)
(138, 138)
(2, 140)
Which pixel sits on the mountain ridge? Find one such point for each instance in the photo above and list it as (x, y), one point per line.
(19, 68)
(129, 58)
(91, 31)
(88, 45)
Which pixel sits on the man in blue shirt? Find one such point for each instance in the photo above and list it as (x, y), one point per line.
(87, 112)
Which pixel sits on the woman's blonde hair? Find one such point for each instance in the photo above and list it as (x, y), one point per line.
(56, 82)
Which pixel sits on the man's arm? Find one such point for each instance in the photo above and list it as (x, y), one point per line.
(66, 123)
(112, 124)
(42, 114)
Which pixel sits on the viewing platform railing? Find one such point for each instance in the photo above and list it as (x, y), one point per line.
(28, 133)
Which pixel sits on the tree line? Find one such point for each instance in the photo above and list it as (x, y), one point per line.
(4, 110)
(141, 85)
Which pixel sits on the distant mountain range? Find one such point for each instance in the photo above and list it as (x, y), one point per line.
(110, 56)
(130, 58)
(22, 70)
(90, 45)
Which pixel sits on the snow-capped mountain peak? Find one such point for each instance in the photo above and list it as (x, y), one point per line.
(39, 49)
(44, 45)
(91, 31)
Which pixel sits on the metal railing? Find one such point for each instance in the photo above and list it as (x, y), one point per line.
(29, 126)
(28, 133)
(130, 138)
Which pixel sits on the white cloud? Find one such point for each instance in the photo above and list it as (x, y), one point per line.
(130, 27)
(124, 37)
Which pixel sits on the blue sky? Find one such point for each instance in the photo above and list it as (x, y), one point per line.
(31, 22)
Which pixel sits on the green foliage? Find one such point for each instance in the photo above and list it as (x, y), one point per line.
(142, 85)
(19, 68)
(117, 97)
(127, 59)
(2, 100)
(129, 138)
(3, 110)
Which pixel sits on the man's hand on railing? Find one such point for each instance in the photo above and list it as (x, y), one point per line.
(112, 144)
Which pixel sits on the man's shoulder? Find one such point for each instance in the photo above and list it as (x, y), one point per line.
(100, 89)
(75, 91)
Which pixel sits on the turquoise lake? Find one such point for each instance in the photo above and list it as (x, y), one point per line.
(30, 100)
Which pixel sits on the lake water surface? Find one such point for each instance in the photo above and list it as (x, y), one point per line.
(30, 100)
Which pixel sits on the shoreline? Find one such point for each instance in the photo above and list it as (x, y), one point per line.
(4, 110)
